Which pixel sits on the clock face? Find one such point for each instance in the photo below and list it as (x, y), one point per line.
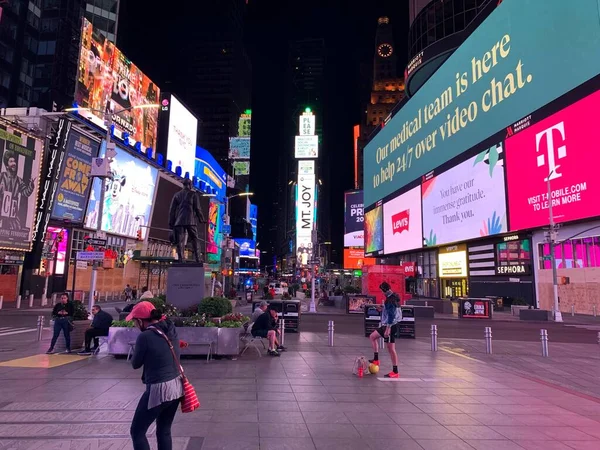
(385, 50)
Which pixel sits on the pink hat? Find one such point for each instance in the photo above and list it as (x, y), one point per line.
(142, 310)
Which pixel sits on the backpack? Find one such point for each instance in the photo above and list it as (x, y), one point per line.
(360, 361)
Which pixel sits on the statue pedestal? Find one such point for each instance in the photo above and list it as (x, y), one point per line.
(185, 285)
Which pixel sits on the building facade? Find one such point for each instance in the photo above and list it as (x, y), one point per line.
(104, 16)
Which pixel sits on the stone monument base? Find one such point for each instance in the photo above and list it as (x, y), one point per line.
(185, 285)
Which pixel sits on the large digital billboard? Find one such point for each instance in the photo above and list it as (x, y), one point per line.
(508, 67)
(556, 154)
(208, 170)
(354, 258)
(181, 135)
(239, 147)
(109, 82)
(374, 231)
(247, 247)
(75, 183)
(402, 226)
(20, 156)
(354, 221)
(128, 197)
(467, 201)
(305, 211)
(307, 147)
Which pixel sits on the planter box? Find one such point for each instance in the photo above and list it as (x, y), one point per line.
(515, 309)
(226, 341)
(300, 295)
(425, 312)
(538, 315)
(440, 306)
(77, 336)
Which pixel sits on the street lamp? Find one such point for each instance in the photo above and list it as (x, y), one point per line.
(109, 154)
(552, 239)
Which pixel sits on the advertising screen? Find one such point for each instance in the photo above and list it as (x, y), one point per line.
(128, 196)
(354, 221)
(354, 258)
(208, 170)
(167, 188)
(402, 228)
(247, 247)
(58, 240)
(466, 201)
(253, 218)
(182, 134)
(307, 124)
(499, 74)
(213, 242)
(558, 151)
(307, 147)
(108, 80)
(241, 167)
(239, 147)
(374, 231)
(453, 264)
(20, 157)
(306, 167)
(74, 184)
(305, 212)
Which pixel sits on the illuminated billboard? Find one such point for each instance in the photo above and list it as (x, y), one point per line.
(354, 258)
(109, 82)
(128, 197)
(209, 172)
(239, 147)
(354, 221)
(556, 154)
(305, 215)
(181, 128)
(402, 229)
(307, 124)
(307, 147)
(500, 74)
(374, 231)
(467, 201)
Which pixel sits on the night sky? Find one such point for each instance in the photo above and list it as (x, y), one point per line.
(349, 35)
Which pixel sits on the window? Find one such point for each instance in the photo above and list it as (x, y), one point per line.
(46, 47)
(49, 25)
(574, 253)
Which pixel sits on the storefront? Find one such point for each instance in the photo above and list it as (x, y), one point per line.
(502, 267)
(452, 263)
(577, 256)
(421, 274)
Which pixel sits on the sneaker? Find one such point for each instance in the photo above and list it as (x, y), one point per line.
(85, 353)
(67, 352)
(50, 351)
(281, 348)
(374, 361)
(273, 353)
(392, 375)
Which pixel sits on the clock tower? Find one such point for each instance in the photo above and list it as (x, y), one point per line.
(385, 63)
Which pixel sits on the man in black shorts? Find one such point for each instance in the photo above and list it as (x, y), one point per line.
(266, 327)
(391, 315)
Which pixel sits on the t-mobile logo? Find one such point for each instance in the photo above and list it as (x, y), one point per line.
(561, 151)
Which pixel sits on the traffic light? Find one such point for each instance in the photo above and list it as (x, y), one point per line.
(230, 273)
(139, 234)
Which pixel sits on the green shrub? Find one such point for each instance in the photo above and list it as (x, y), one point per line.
(123, 324)
(158, 302)
(519, 302)
(214, 307)
(80, 311)
(231, 324)
(196, 320)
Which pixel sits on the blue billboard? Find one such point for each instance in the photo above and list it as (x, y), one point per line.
(253, 218)
(508, 67)
(247, 247)
(210, 173)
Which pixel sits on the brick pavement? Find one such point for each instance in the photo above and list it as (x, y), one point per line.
(308, 399)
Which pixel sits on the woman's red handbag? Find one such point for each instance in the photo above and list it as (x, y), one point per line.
(189, 401)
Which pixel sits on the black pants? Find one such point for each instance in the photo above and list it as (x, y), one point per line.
(143, 418)
(184, 234)
(65, 325)
(93, 333)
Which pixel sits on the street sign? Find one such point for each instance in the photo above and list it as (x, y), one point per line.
(97, 242)
(226, 229)
(48, 255)
(82, 265)
(89, 256)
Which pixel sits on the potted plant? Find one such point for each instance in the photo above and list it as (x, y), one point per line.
(517, 305)
(110, 259)
(215, 307)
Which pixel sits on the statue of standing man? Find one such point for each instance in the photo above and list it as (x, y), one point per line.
(184, 217)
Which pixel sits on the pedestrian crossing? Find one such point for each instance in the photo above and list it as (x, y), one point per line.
(9, 331)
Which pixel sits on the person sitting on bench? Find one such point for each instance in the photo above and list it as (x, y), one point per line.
(100, 325)
(266, 327)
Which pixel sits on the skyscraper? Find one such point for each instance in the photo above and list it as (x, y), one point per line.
(388, 87)
(104, 16)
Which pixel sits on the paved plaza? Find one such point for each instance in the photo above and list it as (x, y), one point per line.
(455, 399)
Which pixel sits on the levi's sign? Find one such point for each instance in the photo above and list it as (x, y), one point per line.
(499, 75)
(400, 221)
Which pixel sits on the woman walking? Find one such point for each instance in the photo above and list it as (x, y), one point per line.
(161, 375)
(391, 315)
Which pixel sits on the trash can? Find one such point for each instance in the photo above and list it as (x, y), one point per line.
(291, 314)
(497, 302)
(249, 296)
(407, 325)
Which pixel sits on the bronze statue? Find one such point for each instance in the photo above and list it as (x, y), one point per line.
(184, 216)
